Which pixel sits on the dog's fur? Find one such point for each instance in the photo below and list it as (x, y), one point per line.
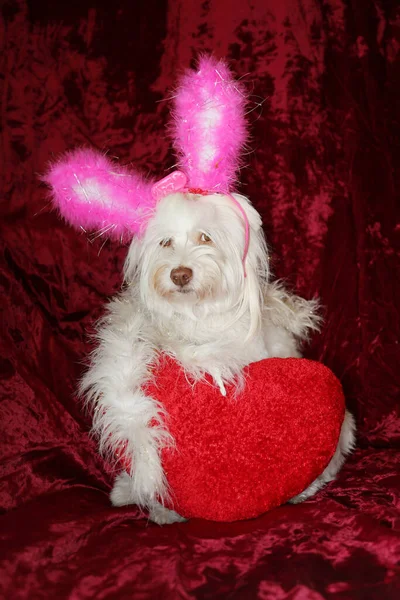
(221, 321)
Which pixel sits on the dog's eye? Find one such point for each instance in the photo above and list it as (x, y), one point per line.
(166, 243)
(205, 239)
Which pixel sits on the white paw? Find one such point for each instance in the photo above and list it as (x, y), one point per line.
(312, 489)
(164, 516)
(121, 494)
(298, 499)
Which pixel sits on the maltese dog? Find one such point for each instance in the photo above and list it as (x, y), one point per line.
(197, 281)
(188, 296)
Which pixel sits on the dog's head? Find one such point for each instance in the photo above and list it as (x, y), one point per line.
(191, 253)
(190, 258)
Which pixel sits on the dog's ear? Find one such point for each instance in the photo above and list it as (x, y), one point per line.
(209, 125)
(252, 214)
(93, 193)
(131, 265)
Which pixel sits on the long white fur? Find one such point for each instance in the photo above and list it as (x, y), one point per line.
(224, 322)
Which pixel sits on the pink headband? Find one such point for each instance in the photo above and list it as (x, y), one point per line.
(177, 182)
(209, 130)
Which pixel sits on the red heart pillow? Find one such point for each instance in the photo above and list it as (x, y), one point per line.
(237, 457)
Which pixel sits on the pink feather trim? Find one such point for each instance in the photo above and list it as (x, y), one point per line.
(93, 193)
(209, 126)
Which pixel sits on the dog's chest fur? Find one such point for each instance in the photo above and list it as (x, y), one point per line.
(205, 346)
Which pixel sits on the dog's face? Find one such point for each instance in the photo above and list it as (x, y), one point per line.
(191, 253)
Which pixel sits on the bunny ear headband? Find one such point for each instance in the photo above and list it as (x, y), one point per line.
(209, 130)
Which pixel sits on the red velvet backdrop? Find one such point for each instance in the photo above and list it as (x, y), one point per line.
(323, 171)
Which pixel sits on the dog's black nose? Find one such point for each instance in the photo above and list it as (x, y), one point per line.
(181, 275)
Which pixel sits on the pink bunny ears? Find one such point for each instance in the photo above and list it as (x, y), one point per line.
(209, 126)
(209, 129)
(95, 194)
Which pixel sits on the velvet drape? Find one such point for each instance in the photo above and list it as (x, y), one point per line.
(323, 170)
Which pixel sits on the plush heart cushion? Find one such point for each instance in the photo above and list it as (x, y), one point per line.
(237, 457)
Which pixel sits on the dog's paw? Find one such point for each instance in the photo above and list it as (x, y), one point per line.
(297, 499)
(121, 494)
(310, 491)
(164, 516)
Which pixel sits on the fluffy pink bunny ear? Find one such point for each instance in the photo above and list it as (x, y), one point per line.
(93, 193)
(209, 125)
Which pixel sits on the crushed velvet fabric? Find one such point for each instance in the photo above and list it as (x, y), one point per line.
(323, 170)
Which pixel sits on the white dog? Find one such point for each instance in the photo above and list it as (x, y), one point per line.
(197, 279)
(188, 295)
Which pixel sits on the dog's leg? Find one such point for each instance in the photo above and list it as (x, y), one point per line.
(131, 423)
(344, 447)
(124, 418)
